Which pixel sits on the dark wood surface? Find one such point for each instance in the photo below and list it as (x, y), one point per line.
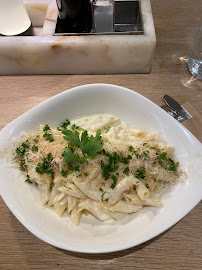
(180, 247)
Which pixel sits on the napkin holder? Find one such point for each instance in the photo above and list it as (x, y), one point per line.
(49, 52)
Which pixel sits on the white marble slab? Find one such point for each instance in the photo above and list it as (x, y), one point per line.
(90, 54)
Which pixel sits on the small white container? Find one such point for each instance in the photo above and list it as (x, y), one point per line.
(14, 19)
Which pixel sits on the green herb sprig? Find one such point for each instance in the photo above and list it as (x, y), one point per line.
(140, 173)
(44, 167)
(22, 149)
(28, 180)
(90, 146)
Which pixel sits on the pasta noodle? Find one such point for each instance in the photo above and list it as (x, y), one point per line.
(96, 165)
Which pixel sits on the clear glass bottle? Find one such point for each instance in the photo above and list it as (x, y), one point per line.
(195, 56)
(103, 11)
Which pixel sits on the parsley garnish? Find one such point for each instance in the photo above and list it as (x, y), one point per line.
(22, 165)
(107, 129)
(140, 173)
(45, 165)
(147, 185)
(154, 148)
(65, 124)
(85, 174)
(34, 148)
(74, 127)
(48, 136)
(73, 168)
(145, 155)
(125, 160)
(76, 168)
(137, 154)
(46, 127)
(35, 140)
(52, 184)
(144, 144)
(28, 180)
(68, 187)
(27, 157)
(22, 149)
(64, 174)
(114, 178)
(69, 156)
(50, 172)
(126, 170)
(130, 148)
(111, 166)
(113, 163)
(167, 163)
(102, 196)
(89, 145)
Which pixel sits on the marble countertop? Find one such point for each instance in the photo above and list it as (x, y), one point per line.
(85, 54)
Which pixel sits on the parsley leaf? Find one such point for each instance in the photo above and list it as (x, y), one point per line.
(89, 145)
(72, 137)
(74, 127)
(69, 156)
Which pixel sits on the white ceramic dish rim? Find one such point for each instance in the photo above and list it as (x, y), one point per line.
(31, 228)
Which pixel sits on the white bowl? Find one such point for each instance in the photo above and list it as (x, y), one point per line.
(92, 236)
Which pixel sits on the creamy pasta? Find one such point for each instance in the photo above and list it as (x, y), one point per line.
(96, 165)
